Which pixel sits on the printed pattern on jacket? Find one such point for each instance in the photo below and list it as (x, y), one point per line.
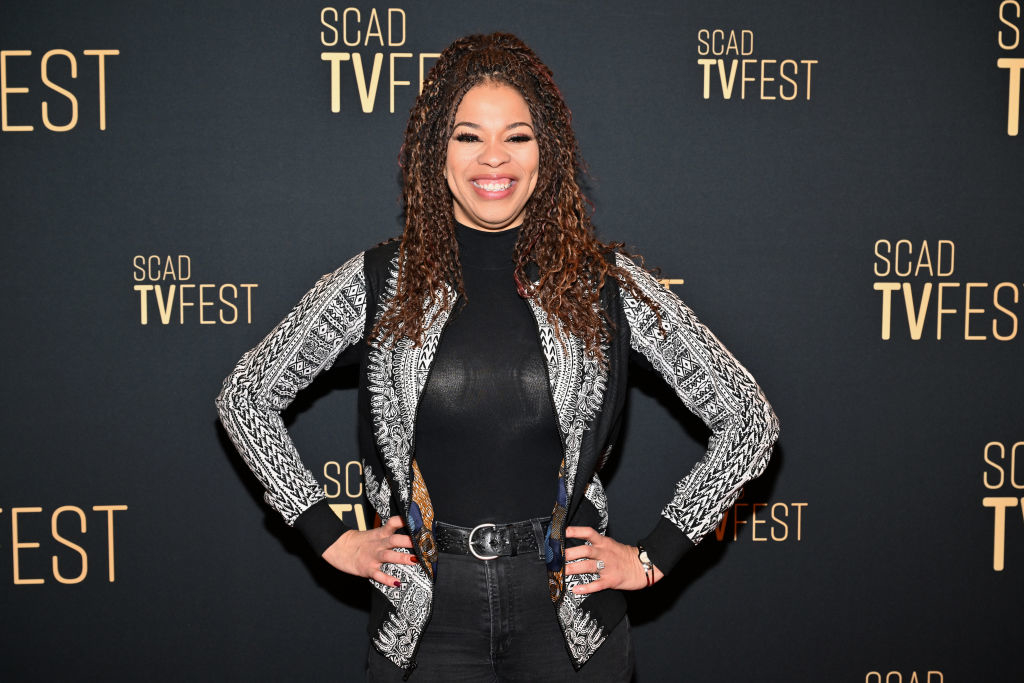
(326, 320)
(713, 385)
(332, 316)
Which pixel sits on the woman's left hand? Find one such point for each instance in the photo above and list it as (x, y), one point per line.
(622, 568)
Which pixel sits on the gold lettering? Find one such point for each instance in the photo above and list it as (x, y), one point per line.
(358, 478)
(882, 257)
(328, 467)
(968, 310)
(102, 54)
(781, 521)
(143, 302)
(110, 510)
(999, 504)
(17, 544)
(1002, 18)
(886, 288)
(392, 11)
(344, 26)
(74, 546)
(371, 32)
(423, 57)
(56, 88)
(782, 73)
(995, 465)
(335, 58)
(333, 29)
(766, 79)
(941, 310)
(165, 309)
(367, 96)
(916, 320)
(357, 508)
(1014, 65)
(727, 89)
(1008, 312)
(754, 521)
(182, 303)
(248, 300)
(227, 303)
(393, 57)
(1013, 467)
(6, 89)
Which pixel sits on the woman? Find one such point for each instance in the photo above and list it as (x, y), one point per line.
(493, 341)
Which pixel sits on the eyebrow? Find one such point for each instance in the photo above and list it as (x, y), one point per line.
(477, 126)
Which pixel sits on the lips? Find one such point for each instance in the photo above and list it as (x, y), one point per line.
(493, 187)
(492, 184)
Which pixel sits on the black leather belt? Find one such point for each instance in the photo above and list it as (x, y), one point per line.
(489, 541)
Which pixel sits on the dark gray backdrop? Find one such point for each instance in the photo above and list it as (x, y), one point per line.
(220, 144)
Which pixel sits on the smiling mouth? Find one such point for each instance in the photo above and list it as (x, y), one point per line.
(491, 186)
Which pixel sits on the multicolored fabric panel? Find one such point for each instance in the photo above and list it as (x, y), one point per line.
(421, 520)
(554, 540)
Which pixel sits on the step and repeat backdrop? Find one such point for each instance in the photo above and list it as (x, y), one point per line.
(836, 188)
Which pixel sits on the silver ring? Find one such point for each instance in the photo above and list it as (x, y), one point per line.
(600, 565)
(475, 553)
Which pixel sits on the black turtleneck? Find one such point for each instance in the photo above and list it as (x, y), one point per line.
(487, 440)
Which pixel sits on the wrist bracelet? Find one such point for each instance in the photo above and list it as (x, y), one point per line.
(648, 565)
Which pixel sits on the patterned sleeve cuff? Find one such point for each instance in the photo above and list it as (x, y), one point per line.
(666, 545)
(320, 526)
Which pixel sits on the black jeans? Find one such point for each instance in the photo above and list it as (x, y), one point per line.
(494, 621)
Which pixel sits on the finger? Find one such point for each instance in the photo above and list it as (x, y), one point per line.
(577, 552)
(584, 567)
(395, 557)
(399, 541)
(592, 587)
(393, 524)
(585, 532)
(386, 579)
(588, 566)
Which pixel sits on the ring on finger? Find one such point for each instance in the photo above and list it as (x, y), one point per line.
(600, 565)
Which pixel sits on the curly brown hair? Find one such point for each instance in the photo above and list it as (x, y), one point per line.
(556, 240)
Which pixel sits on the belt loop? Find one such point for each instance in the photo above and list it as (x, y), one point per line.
(538, 531)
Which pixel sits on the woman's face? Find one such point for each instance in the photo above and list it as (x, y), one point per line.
(492, 158)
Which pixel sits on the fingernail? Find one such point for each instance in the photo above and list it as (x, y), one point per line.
(414, 559)
(398, 584)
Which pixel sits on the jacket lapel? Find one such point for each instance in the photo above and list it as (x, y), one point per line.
(577, 387)
(396, 378)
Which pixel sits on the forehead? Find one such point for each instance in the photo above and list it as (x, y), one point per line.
(492, 102)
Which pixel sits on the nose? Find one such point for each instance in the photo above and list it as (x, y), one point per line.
(493, 153)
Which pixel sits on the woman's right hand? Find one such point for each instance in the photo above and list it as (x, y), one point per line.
(363, 552)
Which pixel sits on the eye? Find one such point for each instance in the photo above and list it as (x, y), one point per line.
(520, 137)
(467, 137)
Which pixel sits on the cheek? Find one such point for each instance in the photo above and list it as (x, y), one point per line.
(533, 165)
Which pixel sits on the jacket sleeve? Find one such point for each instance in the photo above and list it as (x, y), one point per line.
(327, 320)
(713, 385)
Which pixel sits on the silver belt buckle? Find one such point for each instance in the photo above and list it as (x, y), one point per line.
(473, 552)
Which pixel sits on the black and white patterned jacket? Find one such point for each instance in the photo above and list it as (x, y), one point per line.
(333, 319)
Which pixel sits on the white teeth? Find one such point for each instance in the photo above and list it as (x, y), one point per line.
(493, 187)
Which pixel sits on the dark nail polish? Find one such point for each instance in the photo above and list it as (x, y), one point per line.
(413, 558)
(398, 584)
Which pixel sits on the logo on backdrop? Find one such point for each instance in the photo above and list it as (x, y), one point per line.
(52, 88)
(1004, 476)
(1008, 38)
(899, 677)
(915, 283)
(729, 68)
(61, 553)
(368, 38)
(768, 522)
(167, 296)
(345, 487)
